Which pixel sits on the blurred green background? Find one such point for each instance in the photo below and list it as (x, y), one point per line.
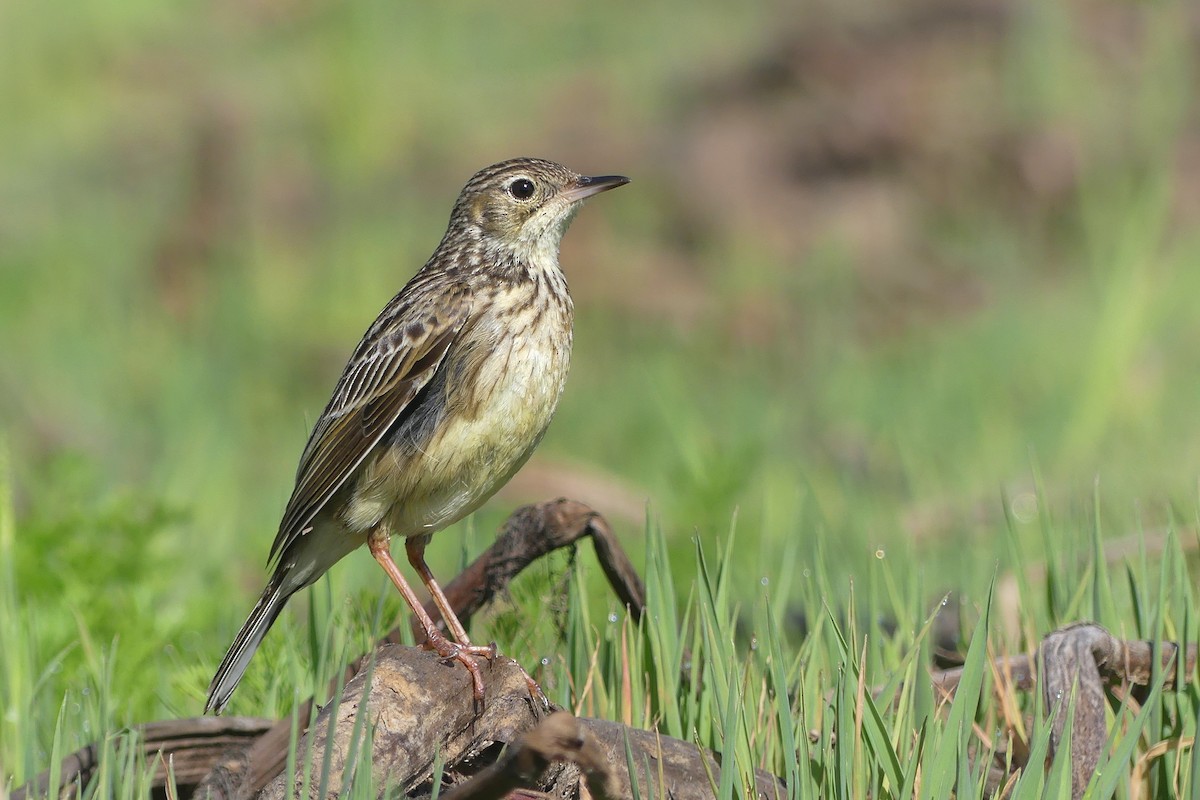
(890, 278)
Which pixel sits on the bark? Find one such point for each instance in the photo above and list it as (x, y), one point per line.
(416, 709)
(419, 709)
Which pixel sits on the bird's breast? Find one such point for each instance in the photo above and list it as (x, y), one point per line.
(502, 381)
(510, 367)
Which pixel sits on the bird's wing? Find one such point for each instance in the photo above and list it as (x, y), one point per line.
(396, 358)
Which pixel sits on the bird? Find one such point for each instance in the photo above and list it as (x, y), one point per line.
(445, 397)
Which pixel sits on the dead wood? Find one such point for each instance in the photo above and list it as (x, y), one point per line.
(189, 746)
(418, 708)
(560, 737)
(1118, 661)
(1085, 659)
(255, 751)
(530, 533)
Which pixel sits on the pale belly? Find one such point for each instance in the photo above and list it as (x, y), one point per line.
(468, 456)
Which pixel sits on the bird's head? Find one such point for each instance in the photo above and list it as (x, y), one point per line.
(524, 205)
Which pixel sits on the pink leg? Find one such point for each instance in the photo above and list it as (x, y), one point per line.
(415, 547)
(379, 541)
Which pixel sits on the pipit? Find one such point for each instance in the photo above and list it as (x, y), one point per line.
(445, 397)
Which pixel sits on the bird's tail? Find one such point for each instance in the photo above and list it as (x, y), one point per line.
(247, 641)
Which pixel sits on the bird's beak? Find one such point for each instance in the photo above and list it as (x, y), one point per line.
(585, 187)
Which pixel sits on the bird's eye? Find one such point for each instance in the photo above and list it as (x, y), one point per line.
(521, 188)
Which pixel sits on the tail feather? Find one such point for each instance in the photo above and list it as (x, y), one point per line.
(243, 647)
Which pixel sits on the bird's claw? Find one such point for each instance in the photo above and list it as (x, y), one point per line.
(465, 654)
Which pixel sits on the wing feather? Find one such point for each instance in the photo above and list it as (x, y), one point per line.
(397, 358)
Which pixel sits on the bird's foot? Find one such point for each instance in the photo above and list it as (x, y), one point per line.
(465, 654)
(535, 691)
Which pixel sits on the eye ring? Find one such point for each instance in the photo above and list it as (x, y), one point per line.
(521, 188)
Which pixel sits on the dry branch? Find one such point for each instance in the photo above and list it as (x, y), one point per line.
(192, 745)
(528, 534)
(1087, 659)
(1118, 660)
(418, 706)
(558, 738)
(243, 769)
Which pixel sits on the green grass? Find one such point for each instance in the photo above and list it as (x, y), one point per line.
(801, 707)
(800, 451)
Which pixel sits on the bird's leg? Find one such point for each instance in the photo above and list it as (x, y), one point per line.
(379, 542)
(415, 547)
